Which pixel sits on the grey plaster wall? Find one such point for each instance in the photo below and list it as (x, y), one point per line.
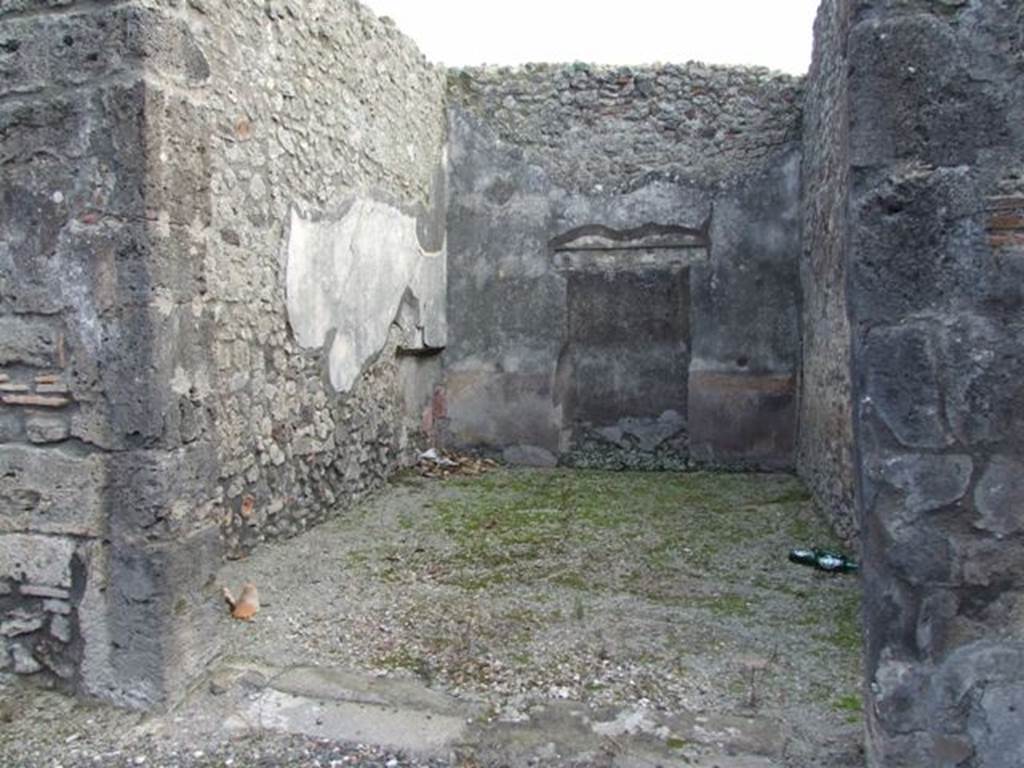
(825, 445)
(156, 408)
(933, 249)
(702, 361)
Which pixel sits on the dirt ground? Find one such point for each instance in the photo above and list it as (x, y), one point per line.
(521, 617)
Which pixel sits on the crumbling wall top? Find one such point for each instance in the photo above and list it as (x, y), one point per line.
(605, 127)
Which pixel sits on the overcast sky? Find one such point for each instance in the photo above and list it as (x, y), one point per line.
(771, 33)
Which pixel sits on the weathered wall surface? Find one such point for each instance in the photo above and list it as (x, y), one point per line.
(327, 226)
(107, 530)
(703, 361)
(935, 247)
(157, 409)
(825, 444)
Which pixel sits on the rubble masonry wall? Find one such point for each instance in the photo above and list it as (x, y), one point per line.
(168, 166)
(825, 443)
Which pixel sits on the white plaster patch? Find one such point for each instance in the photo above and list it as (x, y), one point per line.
(349, 275)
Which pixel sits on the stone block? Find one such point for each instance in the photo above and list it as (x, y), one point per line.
(982, 374)
(25, 662)
(920, 244)
(936, 622)
(924, 482)
(977, 692)
(41, 560)
(999, 496)
(46, 429)
(921, 556)
(15, 7)
(18, 623)
(177, 141)
(132, 264)
(995, 728)
(71, 179)
(11, 428)
(158, 493)
(901, 383)
(60, 627)
(901, 63)
(59, 126)
(69, 50)
(63, 51)
(51, 491)
(132, 409)
(742, 419)
(990, 562)
(28, 341)
(63, 607)
(161, 605)
(898, 686)
(55, 658)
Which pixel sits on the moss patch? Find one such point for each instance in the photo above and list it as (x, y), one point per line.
(606, 583)
(849, 703)
(520, 525)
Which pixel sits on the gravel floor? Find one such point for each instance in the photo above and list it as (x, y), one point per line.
(42, 729)
(665, 591)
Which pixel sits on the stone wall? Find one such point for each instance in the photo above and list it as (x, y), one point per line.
(324, 251)
(106, 523)
(825, 445)
(623, 273)
(223, 276)
(168, 166)
(933, 249)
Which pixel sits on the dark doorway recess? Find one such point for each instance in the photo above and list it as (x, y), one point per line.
(628, 345)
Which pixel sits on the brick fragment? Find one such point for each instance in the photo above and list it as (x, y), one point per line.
(40, 401)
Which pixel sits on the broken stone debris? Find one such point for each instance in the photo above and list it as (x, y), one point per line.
(441, 464)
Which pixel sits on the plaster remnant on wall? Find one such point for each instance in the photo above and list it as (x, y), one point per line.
(349, 276)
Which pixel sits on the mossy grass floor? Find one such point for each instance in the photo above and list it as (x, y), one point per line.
(671, 590)
(570, 605)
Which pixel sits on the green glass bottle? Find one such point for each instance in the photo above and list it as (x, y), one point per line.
(823, 560)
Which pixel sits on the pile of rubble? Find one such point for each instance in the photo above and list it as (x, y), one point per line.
(441, 464)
